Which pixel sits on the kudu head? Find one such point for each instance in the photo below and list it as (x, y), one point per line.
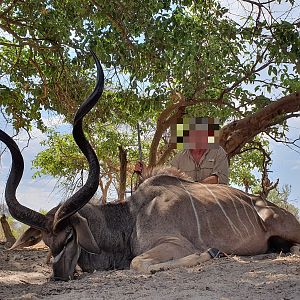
(62, 228)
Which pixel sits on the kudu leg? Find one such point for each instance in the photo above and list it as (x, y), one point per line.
(172, 253)
(284, 225)
(280, 223)
(187, 261)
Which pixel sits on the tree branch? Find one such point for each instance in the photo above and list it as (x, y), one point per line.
(236, 134)
(247, 74)
(259, 4)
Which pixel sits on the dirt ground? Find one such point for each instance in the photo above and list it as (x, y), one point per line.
(24, 275)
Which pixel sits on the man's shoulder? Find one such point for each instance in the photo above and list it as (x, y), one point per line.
(217, 151)
(182, 153)
(179, 156)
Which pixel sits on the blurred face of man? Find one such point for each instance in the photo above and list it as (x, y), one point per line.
(198, 139)
(195, 133)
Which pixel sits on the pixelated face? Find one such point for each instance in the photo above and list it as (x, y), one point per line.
(195, 133)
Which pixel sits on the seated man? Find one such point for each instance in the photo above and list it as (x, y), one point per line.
(202, 158)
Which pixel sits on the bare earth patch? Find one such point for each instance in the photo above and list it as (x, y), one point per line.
(24, 275)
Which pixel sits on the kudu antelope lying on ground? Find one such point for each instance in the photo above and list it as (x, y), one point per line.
(168, 222)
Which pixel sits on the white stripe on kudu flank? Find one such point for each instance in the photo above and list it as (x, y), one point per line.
(237, 213)
(233, 227)
(257, 217)
(195, 212)
(246, 213)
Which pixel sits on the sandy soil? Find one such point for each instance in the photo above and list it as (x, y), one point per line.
(24, 275)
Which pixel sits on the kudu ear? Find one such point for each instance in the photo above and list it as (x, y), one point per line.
(84, 235)
(29, 238)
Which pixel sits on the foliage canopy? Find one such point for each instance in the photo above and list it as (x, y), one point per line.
(161, 59)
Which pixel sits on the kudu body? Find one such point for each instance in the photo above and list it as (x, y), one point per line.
(168, 222)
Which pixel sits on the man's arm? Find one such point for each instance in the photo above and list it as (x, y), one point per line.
(211, 179)
(175, 161)
(221, 168)
(139, 167)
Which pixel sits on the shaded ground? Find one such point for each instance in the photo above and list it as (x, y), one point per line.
(24, 275)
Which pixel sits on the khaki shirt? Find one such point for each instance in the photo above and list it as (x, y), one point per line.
(213, 162)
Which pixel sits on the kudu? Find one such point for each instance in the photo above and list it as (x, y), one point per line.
(168, 222)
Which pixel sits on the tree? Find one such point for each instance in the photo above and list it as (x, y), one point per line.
(162, 59)
(14, 228)
(63, 160)
(10, 239)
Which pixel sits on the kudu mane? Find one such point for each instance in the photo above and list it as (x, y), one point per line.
(161, 170)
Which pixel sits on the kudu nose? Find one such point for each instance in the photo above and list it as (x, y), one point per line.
(58, 278)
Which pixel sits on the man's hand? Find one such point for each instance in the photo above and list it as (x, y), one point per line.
(213, 179)
(139, 166)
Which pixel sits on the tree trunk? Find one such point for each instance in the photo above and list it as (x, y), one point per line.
(123, 171)
(104, 187)
(236, 134)
(10, 239)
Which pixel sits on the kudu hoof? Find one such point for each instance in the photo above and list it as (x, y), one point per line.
(215, 253)
(295, 250)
